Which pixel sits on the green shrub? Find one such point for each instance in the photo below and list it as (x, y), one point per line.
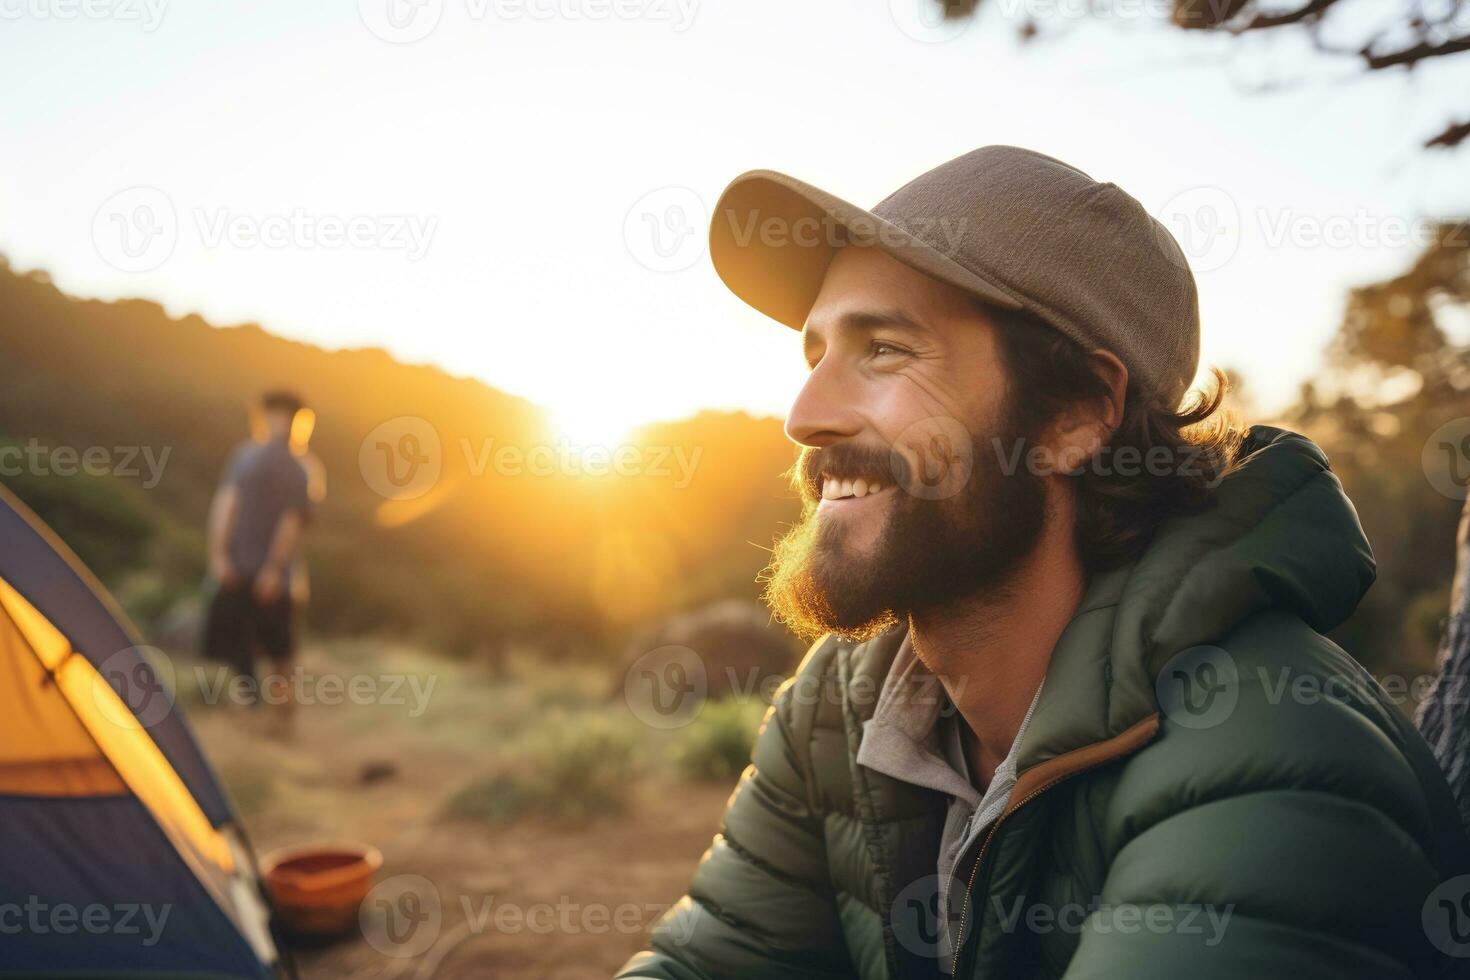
(573, 767)
(716, 744)
(500, 798)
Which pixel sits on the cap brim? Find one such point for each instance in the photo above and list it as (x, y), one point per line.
(772, 237)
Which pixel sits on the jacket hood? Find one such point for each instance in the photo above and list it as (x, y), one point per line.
(1280, 533)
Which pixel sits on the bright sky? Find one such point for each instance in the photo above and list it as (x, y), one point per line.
(502, 176)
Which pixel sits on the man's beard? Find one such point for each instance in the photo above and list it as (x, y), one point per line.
(930, 551)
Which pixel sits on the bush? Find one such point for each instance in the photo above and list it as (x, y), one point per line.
(716, 745)
(576, 768)
(500, 798)
(743, 653)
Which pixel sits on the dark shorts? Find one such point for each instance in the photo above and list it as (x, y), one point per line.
(239, 628)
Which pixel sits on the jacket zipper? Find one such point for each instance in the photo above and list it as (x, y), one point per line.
(1150, 725)
(959, 943)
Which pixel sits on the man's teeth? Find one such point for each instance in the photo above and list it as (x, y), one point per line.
(833, 489)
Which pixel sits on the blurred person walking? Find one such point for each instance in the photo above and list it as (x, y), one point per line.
(256, 525)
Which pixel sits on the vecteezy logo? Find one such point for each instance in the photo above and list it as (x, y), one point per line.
(931, 21)
(1446, 916)
(136, 230)
(135, 686)
(923, 923)
(1446, 458)
(1205, 223)
(666, 687)
(1198, 687)
(401, 21)
(932, 459)
(401, 916)
(402, 458)
(664, 230)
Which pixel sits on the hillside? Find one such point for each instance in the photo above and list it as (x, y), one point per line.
(514, 536)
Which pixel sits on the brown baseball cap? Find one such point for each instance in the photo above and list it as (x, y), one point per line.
(1016, 228)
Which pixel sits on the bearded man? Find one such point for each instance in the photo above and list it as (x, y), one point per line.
(1072, 713)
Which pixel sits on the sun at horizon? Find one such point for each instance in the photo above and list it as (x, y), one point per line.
(593, 422)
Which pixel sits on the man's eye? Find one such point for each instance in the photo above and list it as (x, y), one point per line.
(881, 348)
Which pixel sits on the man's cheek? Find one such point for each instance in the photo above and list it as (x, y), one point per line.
(933, 458)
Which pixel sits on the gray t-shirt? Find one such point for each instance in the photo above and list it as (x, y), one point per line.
(270, 481)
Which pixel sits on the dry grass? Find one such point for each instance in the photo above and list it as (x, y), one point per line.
(532, 795)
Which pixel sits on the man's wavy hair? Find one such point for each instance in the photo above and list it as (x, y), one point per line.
(1118, 507)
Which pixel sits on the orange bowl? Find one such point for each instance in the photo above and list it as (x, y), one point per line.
(317, 889)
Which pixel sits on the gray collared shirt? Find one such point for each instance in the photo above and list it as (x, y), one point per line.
(914, 736)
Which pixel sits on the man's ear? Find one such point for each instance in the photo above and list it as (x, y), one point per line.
(1080, 432)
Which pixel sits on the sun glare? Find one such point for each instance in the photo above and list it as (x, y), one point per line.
(598, 424)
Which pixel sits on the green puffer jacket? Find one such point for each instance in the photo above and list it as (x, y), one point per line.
(1208, 788)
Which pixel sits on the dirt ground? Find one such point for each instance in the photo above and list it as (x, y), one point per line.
(532, 898)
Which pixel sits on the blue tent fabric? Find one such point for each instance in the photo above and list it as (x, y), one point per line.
(43, 570)
(72, 899)
(92, 885)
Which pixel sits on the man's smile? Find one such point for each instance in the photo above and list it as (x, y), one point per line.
(844, 494)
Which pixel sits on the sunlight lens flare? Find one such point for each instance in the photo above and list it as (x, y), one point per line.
(592, 424)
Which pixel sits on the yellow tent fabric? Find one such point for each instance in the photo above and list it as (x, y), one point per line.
(70, 734)
(46, 751)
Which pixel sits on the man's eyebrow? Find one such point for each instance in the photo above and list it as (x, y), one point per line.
(862, 320)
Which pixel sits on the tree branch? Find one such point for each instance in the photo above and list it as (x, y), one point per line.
(1453, 136)
(1263, 22)
(1417, 53)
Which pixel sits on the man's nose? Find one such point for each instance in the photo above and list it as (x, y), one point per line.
(824, 411)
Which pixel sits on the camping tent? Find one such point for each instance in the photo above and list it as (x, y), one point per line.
(119, 853)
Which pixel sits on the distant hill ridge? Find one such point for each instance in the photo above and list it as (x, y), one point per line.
(513, 536)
